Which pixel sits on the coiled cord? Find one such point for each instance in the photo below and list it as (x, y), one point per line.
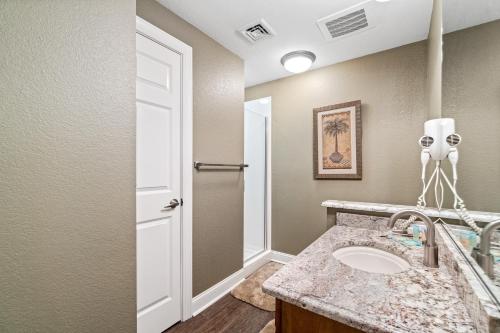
(462, 212)
(421, 203)
(464, 215)
(459, 204)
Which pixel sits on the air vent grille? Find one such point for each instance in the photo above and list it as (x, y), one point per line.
(257, 31)
(347, 24)
(349, 21)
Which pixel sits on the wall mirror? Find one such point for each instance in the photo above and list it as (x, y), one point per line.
(471, 95)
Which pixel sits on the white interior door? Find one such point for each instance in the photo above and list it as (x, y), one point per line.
(158, 185)
(255, 184)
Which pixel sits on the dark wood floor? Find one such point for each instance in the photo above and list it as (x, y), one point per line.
(227, 315)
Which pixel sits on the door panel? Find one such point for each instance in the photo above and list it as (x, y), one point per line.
(158, 74)
(255, 184)
(153, 145)
(158, 182)
(153, 71)
(148, 203)
(152, 248)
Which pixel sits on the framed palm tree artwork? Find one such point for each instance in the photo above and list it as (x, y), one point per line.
(337, 141)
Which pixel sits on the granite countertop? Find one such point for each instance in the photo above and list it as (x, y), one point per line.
(391, 209)
(420, 299)
(495, 250)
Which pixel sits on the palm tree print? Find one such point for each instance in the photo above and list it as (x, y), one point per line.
(334, 128)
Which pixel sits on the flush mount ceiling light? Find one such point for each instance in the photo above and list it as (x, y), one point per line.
(298, 61)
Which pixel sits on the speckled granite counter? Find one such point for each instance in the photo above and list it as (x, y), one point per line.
(391, 209)
(474, 287)
(420, 299)
(456, 230)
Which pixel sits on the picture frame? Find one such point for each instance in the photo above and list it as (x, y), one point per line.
(337, 146)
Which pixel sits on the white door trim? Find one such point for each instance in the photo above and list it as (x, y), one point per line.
(185, 51)
(269, 208)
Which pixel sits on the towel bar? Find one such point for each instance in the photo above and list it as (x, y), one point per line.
(218, 166)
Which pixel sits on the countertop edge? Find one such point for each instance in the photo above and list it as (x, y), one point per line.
(391, 209)
(341, 315)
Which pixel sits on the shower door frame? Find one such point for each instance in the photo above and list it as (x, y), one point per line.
(268, 191)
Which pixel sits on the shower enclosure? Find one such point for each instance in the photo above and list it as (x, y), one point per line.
(257, 123)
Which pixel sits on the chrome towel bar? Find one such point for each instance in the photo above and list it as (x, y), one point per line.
(218, 166)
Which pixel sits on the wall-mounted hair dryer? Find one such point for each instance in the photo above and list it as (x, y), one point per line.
(440, 143)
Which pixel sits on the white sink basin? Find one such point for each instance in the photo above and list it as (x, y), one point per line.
(371, 260)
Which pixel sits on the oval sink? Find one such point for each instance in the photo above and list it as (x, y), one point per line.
(371, 260)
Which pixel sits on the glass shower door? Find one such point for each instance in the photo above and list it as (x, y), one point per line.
(255, 184)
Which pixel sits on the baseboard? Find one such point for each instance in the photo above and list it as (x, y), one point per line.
(214, 293)
(281, 257)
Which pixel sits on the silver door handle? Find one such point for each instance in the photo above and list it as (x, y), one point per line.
(173, 203)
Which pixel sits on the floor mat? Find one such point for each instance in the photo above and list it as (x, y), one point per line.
(250, 290)
(269, 328)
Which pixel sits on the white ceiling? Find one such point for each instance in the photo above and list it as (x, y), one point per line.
(397, 23)
(461, 14)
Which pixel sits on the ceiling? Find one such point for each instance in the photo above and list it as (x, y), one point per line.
(461, 14)
(393, 24)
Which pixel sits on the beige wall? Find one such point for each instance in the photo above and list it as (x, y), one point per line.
(67, 166)
(391, 86)
(471, 95)
(435, 61)
(218, 137)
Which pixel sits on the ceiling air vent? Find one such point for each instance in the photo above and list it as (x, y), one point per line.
(346, 22)
(257, 31)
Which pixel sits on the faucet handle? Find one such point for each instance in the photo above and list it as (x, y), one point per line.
(430, 247)
(481, 252)
(430, 234)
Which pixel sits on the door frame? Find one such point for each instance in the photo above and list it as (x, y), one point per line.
(185, 51)
(269, 174)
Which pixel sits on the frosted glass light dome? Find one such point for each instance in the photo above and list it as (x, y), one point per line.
(298, 61)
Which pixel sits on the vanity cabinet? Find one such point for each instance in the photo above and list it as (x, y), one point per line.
(293, 319)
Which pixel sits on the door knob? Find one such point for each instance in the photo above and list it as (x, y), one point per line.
(173, 203)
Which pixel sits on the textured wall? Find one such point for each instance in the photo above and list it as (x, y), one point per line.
(471, 95)
(218, 137)
(67, 168)
(391, 86)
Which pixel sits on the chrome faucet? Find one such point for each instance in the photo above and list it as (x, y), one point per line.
(430, 247)
(482, 252)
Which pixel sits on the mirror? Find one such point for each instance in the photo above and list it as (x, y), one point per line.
(471, 95)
